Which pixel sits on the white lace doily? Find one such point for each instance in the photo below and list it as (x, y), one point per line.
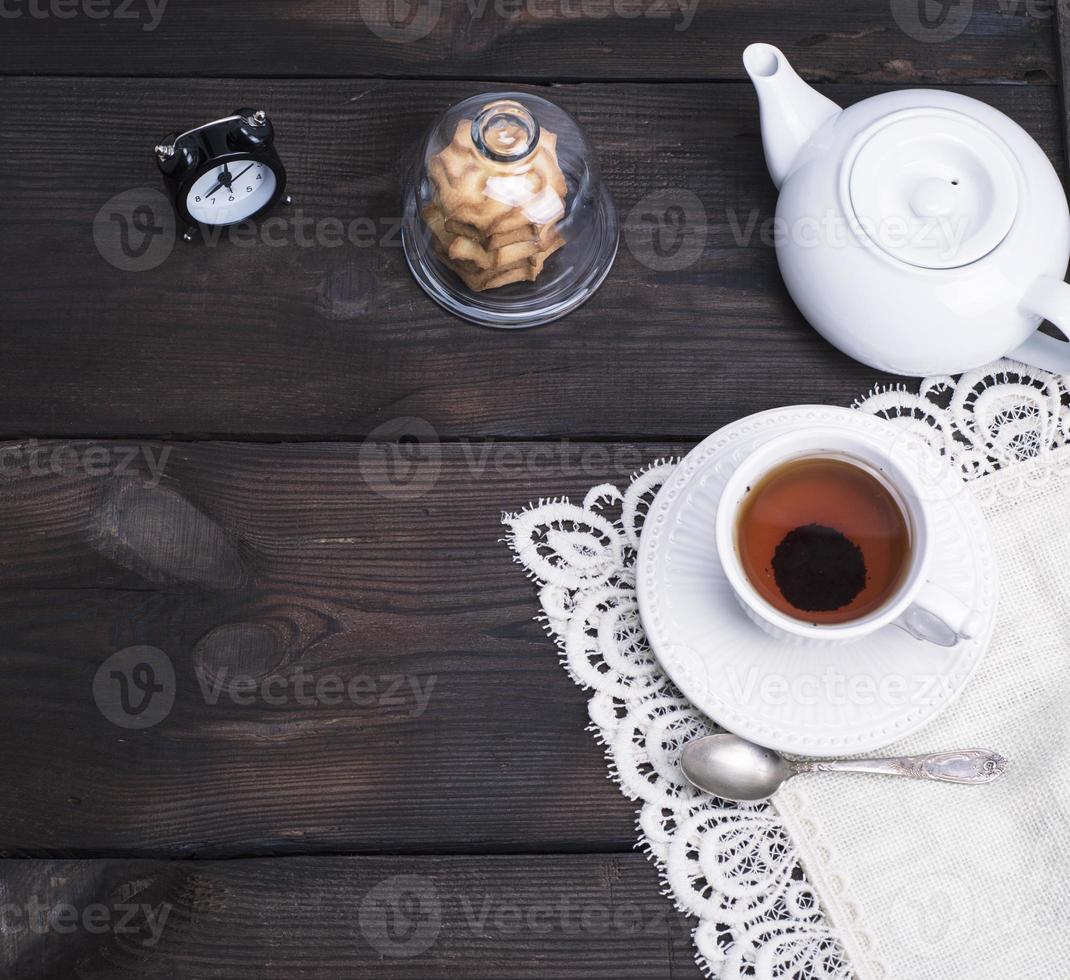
(733, 866)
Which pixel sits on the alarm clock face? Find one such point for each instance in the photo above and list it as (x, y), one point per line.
(229, 192)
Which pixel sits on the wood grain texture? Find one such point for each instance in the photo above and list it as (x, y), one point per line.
(303, 335)
(351, 655)
(347, 564)
(1062, 13)
(896, 41)
(596, 917)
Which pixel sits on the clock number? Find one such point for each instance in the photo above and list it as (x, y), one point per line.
(259, 176)
(248, 190)
(198, 199)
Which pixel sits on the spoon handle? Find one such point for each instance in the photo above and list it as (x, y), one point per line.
(970, 766)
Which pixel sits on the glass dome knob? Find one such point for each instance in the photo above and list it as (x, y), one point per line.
(505, 131)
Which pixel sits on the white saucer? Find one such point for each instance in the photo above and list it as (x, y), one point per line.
(856, 697)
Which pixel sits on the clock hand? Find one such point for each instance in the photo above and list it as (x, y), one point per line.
(244, 172)
(230, 180)
(225, 180)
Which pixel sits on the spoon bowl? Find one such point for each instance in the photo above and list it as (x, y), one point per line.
(733, 768)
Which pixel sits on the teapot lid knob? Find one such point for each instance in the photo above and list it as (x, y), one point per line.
(935, 197)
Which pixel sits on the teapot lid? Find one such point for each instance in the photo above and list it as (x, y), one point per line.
(933, 188)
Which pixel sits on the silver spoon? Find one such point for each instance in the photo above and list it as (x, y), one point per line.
(735, 769)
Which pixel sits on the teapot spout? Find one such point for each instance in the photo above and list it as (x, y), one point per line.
(791, 111)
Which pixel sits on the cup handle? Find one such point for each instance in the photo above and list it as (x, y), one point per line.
(939, 617)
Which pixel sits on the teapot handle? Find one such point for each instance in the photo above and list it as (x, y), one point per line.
(1049, 298)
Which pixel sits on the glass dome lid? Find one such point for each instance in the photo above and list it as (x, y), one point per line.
(506, 220)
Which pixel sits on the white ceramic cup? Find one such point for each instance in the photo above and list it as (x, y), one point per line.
(923, 608)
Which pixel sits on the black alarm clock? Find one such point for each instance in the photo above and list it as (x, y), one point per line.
(224, 172)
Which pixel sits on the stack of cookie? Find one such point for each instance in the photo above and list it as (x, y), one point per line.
(495, 222)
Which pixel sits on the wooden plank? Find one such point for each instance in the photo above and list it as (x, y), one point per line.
(870, 40)
(321, 336)
(499, 918)
(1063, 70)
(268, 562)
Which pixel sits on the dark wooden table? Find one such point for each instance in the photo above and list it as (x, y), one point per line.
(185, 469)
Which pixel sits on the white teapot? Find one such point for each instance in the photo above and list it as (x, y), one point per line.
(921, 232)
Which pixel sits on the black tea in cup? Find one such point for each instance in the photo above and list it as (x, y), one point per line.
(823, 539)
